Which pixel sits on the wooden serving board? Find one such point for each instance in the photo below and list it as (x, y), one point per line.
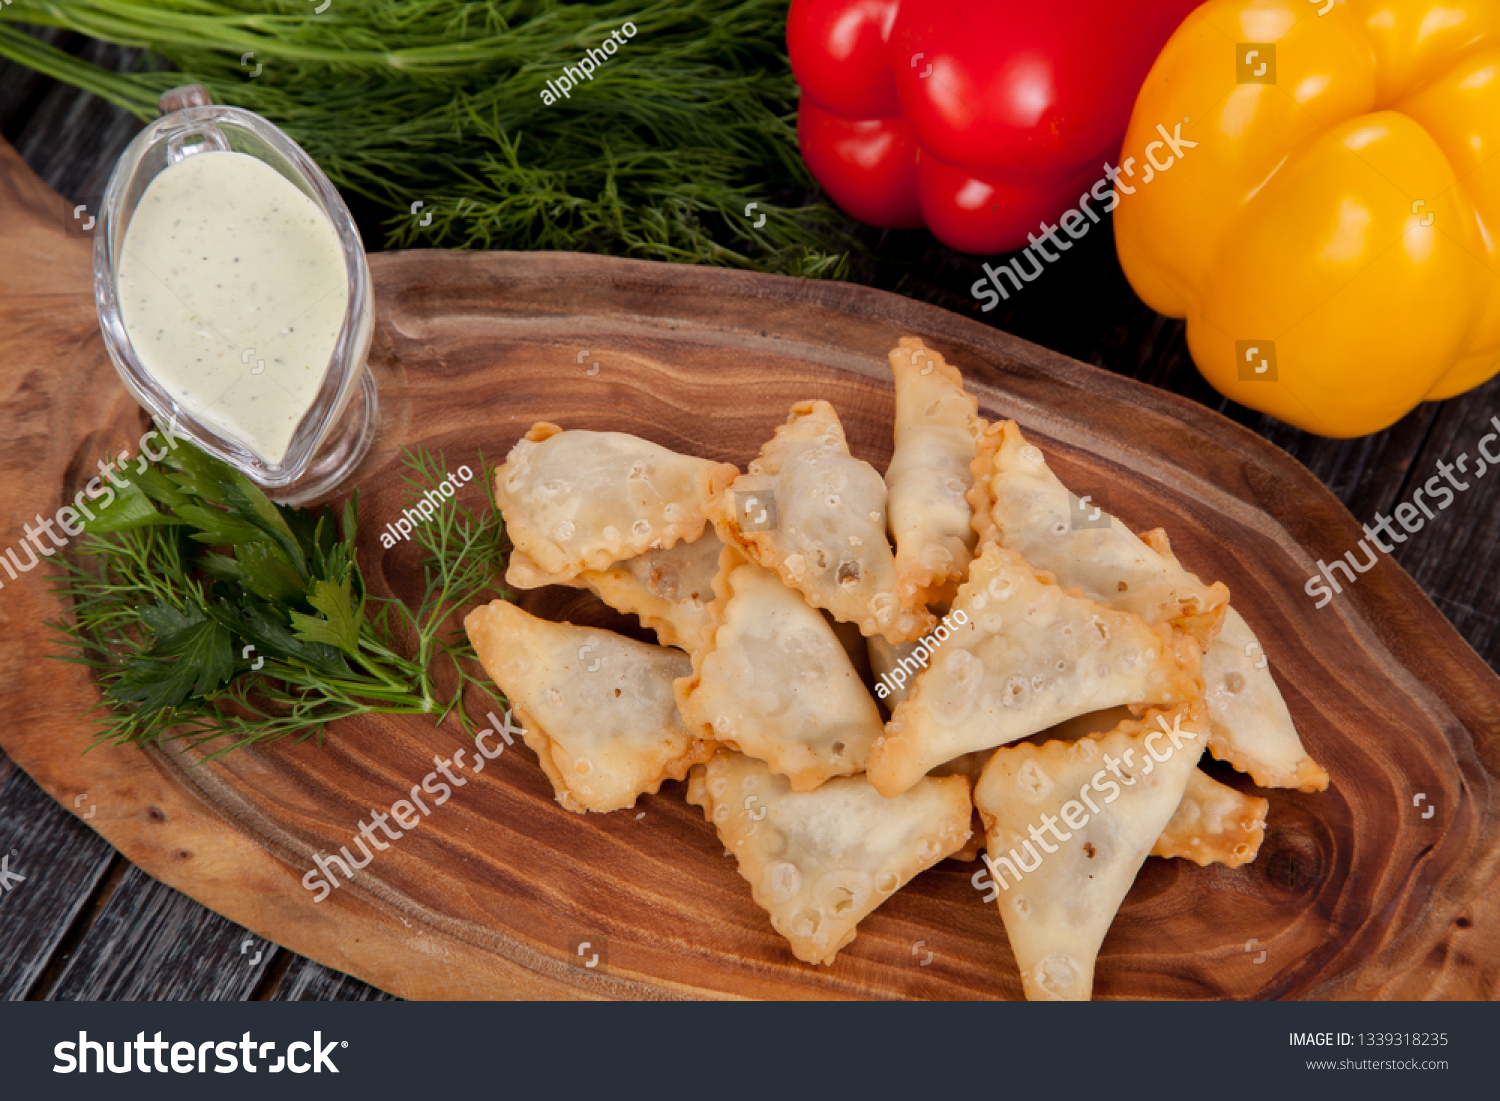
(1356, 893)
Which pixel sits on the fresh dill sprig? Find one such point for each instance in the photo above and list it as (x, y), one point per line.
(656, 157)
(214, 617)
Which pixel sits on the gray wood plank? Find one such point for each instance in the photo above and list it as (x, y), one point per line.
(1455, 557)
(150, 942)
(69, 138)
(62, 862)
(20, 87)
(302, 980)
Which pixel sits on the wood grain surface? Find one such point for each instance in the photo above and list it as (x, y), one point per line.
(1355, 893)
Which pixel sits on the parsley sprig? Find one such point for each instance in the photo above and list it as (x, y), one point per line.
(212, 616)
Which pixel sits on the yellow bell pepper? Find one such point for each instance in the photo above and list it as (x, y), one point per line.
(1332, 236)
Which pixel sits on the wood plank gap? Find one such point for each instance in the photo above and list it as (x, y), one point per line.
(1401, 493)
(88, 914)
(273, 976)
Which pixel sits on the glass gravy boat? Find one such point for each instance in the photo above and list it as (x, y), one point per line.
(337, 427)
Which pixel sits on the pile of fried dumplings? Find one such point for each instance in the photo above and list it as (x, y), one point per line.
(860, 676)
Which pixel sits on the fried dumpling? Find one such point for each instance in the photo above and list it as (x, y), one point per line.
(1250, 726)
(1026, 656)
(1020, 503)
(669, 590)
(817, 862)
(1059, 896)
(598, 707)
(579, 500)
(815, 514)
(775, 682)
(937, 424)
(1214, 824)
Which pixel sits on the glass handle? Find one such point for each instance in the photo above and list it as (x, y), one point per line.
(185, 95)
(192, 139)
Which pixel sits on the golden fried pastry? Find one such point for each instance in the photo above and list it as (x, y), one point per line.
(1021, 504)
(1027, 656)
(815, 514)
(818, 861)
(1250, 726)
(1068, 825)
(597, 707)
(1214, 824)
(937, 423)
(775, 682)
(970, 766)
(668, 590)
(578, 500)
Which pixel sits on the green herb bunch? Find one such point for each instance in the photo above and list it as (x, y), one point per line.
(214, 616)
(440, 101)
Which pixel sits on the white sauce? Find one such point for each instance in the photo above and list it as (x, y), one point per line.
(233, 288)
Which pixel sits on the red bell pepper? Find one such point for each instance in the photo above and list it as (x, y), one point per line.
(981, 121)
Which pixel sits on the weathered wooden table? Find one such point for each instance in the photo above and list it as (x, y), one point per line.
(89, 925)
